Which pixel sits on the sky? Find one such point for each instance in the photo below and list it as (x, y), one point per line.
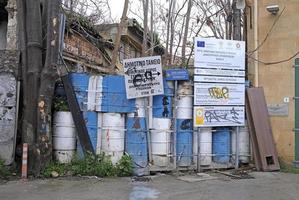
(116, 8)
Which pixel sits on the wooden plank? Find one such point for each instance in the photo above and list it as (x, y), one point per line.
(77, 115)
(260, 131)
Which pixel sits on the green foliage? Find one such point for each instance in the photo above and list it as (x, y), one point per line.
(61, 104)
(53, 166)
(287, 168)
(125, 166)
(99, 165)
(4, 172)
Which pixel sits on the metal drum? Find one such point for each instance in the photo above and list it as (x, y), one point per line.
(221, 145)
(184, 125)
(160, 141)
(113, 135)
(136, 138)
(205, 146)
(91, 122)
(64, 137)
(162, 104)
(80, 83)
(114, 99)
(243, 146)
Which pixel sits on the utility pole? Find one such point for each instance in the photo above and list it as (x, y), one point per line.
(236, 21)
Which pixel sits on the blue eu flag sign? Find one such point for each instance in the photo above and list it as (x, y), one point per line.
(200, 44)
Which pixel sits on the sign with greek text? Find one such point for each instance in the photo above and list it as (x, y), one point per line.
(219, 72)
(219, 79)
(218, 94)
(216, 53)
(143, 77)
(211, 116)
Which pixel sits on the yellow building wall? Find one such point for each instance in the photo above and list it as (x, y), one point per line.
(277, 79)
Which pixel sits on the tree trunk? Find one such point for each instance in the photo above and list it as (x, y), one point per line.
(145, 29)
(186, 32)
(168, 30)
(34, 65)
(172, 23)
(121, 26)
(152, 29)
(47, 86)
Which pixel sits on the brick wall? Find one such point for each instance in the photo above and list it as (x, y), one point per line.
(81, 48)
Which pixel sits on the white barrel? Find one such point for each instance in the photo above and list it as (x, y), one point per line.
(184, 101)
(99, 133)
(205, 146)
(243, 146)
(64, 137)
(113, 135)
(140, 108)
(160, 141)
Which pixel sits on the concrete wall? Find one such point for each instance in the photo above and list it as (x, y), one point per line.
(277, 79)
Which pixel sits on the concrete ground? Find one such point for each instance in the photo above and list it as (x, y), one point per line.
(265, 186)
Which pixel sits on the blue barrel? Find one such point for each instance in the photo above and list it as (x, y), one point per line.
(184, 142)
(136, 144)
(114, 99)
(80, 83)
(162, 104)
(221, 145)
(91, 122)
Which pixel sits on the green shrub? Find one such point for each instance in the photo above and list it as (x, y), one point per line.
(98, 165)
(125, 166)
(60, 168)
(4, 172)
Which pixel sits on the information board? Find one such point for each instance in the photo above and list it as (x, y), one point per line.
(218, 94)
(143, 76)
(209, 116)
(216, 53)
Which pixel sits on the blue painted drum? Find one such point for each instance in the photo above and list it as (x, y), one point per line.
(162, 104)
(221, 145)
(80, 83)
(136, 144)
(184, 142)
(114, 99)
(91, 121)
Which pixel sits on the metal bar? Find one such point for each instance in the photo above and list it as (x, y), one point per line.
(296, 109)
(175, 124)
(149, 122)
(237, 148)
(77, 116)
(198, 150)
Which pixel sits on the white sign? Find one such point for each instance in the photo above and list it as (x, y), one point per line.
(143, 77)
(209, 116)
(219, 79)
(216, 53)
(219, 94)
(219, 72)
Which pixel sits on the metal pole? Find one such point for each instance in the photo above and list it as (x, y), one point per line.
(198, 150)
(149, 117)
(237, 148)
(175, 124)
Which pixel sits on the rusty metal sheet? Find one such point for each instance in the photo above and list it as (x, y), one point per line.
(260, 131)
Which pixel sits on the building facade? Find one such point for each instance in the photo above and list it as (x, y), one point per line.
(273, 45)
